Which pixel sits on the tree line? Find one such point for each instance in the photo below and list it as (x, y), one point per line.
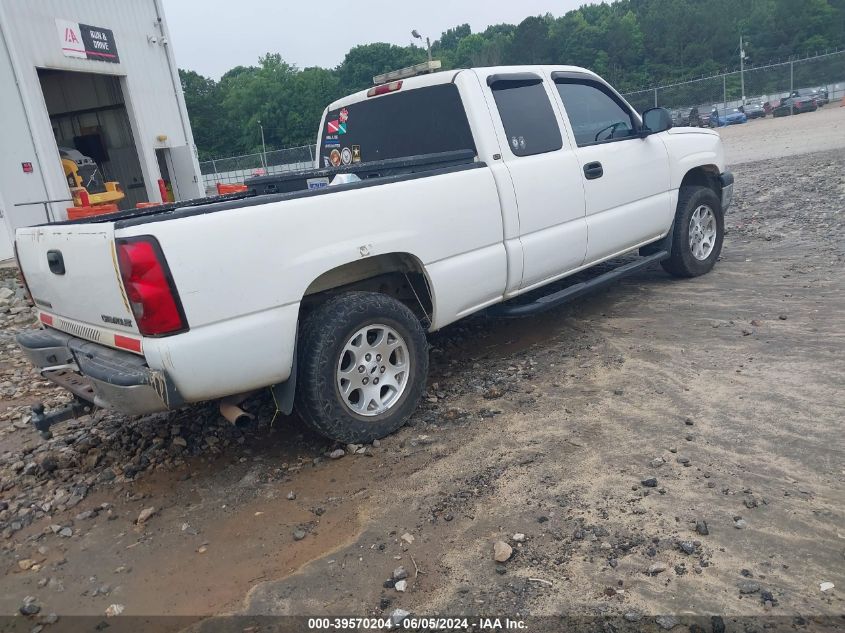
(632, 43)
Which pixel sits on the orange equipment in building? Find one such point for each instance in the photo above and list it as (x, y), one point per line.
(85, 181)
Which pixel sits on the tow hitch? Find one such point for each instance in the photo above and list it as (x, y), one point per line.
(43, 421)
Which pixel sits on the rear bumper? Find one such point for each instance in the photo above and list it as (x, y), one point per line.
(727, 181)
(107, 377)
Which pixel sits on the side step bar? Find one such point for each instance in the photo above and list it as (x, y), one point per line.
(555, 299)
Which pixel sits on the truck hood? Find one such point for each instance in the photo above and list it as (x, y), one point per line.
(692, 130)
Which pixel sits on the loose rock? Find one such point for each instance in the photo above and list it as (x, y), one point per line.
(748, 586)
(666, 622)
(399, 616)
(29, 607)
(502, 551)
(145, 515)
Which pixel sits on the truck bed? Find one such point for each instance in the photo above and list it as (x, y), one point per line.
(292, 185)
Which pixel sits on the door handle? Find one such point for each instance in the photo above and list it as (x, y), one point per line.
(56, 262)
(593, 170)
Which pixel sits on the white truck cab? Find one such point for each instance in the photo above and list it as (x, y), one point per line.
(458, 191)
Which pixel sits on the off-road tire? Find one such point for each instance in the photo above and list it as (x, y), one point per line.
(322, 339)
(682, 262)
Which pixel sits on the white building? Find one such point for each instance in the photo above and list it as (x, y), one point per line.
(98, 76)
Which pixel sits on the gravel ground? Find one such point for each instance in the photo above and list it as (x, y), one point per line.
(664, 447)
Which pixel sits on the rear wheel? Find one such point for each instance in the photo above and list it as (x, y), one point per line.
(698, 233)
(363, 364)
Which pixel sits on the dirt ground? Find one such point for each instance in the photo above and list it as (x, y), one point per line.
(762, 139)
(729, 389)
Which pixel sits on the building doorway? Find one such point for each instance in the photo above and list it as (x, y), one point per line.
(91, 126)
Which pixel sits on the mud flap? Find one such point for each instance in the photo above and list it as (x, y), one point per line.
(284, 392)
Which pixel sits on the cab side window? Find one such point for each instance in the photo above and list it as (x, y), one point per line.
(596, 116)
(527, 116)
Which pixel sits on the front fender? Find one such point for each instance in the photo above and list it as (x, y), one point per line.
(690, 148)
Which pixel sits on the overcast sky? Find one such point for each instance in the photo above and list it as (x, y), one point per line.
(212, 36)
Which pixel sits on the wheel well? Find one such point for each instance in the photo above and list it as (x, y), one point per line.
(399, 275)
(703, 176)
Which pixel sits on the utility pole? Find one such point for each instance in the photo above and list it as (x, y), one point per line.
(742, 69)
(263, 147)
(791, 85)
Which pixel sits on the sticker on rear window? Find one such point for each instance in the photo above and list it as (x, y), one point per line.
(334, 157)
(344, 115)
(356, 153)
(346, 156)
(317, 183)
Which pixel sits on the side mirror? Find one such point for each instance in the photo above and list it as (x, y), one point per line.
(656, 120)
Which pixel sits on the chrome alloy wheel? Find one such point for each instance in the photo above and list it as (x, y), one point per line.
(702, 232)
(372, 371)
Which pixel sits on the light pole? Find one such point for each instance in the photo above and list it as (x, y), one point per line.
(416, 35)
(742, 69)
(263, 147)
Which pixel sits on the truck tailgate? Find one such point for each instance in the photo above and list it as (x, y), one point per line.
(84, 283)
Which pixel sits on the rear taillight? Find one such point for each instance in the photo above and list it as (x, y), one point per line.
(383, 89)
(21, 277)
(149, 287)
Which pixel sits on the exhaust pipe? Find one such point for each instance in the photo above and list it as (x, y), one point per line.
(230, 410)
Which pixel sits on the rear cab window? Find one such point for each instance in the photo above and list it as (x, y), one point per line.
(527, 116)
(400, 124)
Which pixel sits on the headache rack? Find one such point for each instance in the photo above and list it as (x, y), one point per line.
(411, 71)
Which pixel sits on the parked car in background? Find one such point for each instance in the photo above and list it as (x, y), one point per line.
(727, 116)
(824, 97)
(809, 93)
(795, 105)
(754, 110)
(686, 117)
(704, 116)
(694, 118)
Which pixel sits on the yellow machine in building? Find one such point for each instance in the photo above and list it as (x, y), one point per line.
(85, 181)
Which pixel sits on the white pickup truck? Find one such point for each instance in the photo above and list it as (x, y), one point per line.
(434, 197)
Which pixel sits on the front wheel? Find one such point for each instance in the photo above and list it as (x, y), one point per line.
(363, 365)
(698, 233)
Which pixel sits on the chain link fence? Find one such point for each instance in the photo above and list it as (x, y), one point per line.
(236, 169)
(768, 82)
